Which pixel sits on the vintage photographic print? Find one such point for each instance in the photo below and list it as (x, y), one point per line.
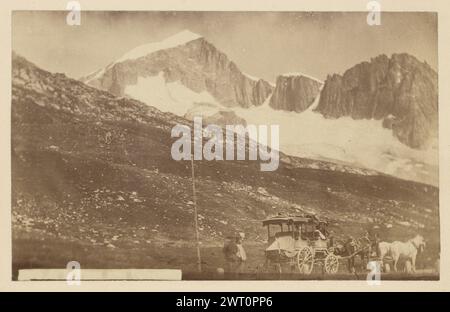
(235, 145)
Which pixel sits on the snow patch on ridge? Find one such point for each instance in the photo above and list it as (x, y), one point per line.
(313, 106)
(251, 77)
(296, 74)
(96, 74)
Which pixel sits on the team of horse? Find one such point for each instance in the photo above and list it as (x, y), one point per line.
(403, 250)
(367, 250)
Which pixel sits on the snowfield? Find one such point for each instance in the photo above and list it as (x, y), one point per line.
(360, 143)
(171, 97)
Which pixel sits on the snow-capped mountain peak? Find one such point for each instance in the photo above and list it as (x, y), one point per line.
(178, 39)
(184, 61)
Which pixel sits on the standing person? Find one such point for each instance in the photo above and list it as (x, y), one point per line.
(230, 251)
(376, 244)
(241, 254)
(323, 229)
(374, 240)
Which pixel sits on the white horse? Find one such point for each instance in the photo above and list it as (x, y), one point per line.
(384, 249)
(407, 250)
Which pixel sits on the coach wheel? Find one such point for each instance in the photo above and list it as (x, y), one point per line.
(331, 264)
(305, 260)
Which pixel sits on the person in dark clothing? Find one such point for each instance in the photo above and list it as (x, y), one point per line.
(374, 239)
(323, 229)
(230, 251)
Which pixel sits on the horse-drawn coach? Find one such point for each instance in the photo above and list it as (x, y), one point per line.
(299, 241)
(303, 242)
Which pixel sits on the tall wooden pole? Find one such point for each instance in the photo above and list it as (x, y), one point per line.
(197, 237)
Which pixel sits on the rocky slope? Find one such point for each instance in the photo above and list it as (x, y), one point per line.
(401, 91)
(294, 92)
(93, 180)
(189, 59)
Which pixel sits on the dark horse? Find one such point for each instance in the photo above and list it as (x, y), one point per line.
(361, 247)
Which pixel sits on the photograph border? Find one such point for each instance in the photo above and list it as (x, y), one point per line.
(441, 7)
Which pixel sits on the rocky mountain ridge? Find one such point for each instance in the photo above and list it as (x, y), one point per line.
(196, 64)
(401, 90)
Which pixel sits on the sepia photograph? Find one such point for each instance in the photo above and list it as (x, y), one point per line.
(225, 145)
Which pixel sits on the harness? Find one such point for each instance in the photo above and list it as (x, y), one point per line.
(414, 244)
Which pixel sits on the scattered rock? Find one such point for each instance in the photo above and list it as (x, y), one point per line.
(262, 191)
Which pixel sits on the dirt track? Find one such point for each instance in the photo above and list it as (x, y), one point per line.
(39, 250)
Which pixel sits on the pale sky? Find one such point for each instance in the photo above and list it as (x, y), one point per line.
(262, 44)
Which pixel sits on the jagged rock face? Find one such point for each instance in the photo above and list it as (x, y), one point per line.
(196, 64)
(294, 93)
(400, 90)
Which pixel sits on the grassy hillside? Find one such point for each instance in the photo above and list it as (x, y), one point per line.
(93, 181)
